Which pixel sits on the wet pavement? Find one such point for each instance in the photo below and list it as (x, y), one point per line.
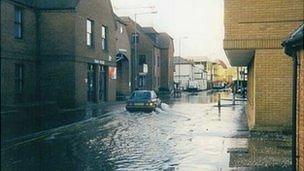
(190, 133)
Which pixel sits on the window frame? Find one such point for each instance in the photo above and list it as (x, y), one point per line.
(18, 23)
(104, 38)
(90, 33)
(135, 38)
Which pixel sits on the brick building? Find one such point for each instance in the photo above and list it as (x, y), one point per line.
(19, 53)
(145, 68)
(167, 68)
(62, 51)
(253, 34)
(123, 60)
(154, 36)
(294, 47)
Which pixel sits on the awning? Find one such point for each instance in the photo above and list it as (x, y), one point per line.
(240, 57)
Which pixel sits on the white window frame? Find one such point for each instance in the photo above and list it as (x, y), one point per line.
(90, 33)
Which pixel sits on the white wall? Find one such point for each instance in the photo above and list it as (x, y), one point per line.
(183, 73)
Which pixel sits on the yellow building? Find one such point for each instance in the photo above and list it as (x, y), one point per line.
(254, 30)
(223, 73)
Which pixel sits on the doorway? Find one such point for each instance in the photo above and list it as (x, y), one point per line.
(91, 82)
(103, 84)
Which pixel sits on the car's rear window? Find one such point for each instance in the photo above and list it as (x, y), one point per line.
(141, 95)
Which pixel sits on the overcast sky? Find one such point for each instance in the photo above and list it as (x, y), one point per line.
(199, 20)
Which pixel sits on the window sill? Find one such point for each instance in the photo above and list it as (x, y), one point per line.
(90, 47)
(105, 51)
(19, 39)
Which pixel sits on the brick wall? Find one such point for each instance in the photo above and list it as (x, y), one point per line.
(167, 53)
(18, 51)
(102, 15)
(257, 19)
(250, 94)
(145, 47)
(301, 111)
(273, 77)
(124, 67)
(261, 26)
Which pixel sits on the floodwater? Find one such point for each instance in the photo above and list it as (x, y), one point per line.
(190, 133)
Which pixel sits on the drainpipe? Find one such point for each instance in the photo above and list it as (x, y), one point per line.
(38, 55)
(294, 111)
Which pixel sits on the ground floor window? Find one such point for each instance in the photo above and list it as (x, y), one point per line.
(19, 78)
(142, 81)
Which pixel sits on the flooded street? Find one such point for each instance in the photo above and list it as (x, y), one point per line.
(190, 133)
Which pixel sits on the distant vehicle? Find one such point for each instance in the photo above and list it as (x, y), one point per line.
(218, 85)
(143, 100)
(192, 86)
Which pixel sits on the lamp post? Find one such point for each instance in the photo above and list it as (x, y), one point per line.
(180, 56)
(136, 38)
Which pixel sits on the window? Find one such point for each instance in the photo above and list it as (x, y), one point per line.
(142, 81)
(156, 40)
(18, 23)
(121, 30)
(89, 32)
(135, 38)
(104, 38)
(142, 59)
(19, 70)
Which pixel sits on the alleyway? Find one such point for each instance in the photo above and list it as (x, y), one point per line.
(190, 133)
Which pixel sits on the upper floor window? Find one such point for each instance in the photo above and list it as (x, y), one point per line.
(18, 23)
(89, 32)
(121, 29)
(142, 59)
(19, 78)
(156, 40)
(104, 38)
(135, 38)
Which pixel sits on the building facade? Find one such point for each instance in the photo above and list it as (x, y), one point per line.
(62, 52)
(144, 54)
(183, 72)
(123, 60)
(200, 75)
(166, 62)
(253, 34)
(294, 47)
(223, 73)
(210, 72)
(154, 36)
(19, 53)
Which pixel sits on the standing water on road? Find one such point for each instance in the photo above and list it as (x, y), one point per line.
(190, 133)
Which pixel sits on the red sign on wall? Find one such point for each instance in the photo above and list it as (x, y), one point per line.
(112, 73)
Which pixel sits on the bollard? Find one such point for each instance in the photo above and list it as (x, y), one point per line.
(219, 100)
(234, 92)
